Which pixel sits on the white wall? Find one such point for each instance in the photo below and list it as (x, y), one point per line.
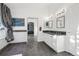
(41, 37)
(72, 18)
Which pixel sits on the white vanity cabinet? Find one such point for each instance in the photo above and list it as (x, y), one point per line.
(60, 43)
(46, 37)
(56, 42)
(49, 40)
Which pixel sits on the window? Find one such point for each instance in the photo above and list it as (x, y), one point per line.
(18, 21)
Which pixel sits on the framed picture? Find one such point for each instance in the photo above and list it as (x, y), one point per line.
(18, 21)
(60, 22)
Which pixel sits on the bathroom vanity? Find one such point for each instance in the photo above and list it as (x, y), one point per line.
(55, 39)
(54, 31)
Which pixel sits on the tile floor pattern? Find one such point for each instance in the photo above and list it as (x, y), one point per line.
(31, 48)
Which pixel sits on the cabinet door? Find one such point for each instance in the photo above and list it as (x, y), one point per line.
(60, 43)
(47, 39)
(54, 39)
(54, 42)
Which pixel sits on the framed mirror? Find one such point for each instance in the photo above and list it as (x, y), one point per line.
(49, 24)
(60, 22)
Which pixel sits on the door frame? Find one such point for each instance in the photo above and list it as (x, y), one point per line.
(35, 21)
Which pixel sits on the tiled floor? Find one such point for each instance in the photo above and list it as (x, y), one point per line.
(13, 49)
(32, 48)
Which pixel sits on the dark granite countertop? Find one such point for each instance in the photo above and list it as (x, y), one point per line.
(54, 32)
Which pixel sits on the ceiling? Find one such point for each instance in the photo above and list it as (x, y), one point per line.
(36, 8)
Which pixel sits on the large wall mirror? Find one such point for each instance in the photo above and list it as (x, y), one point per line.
(60, 22)
(49, 24)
